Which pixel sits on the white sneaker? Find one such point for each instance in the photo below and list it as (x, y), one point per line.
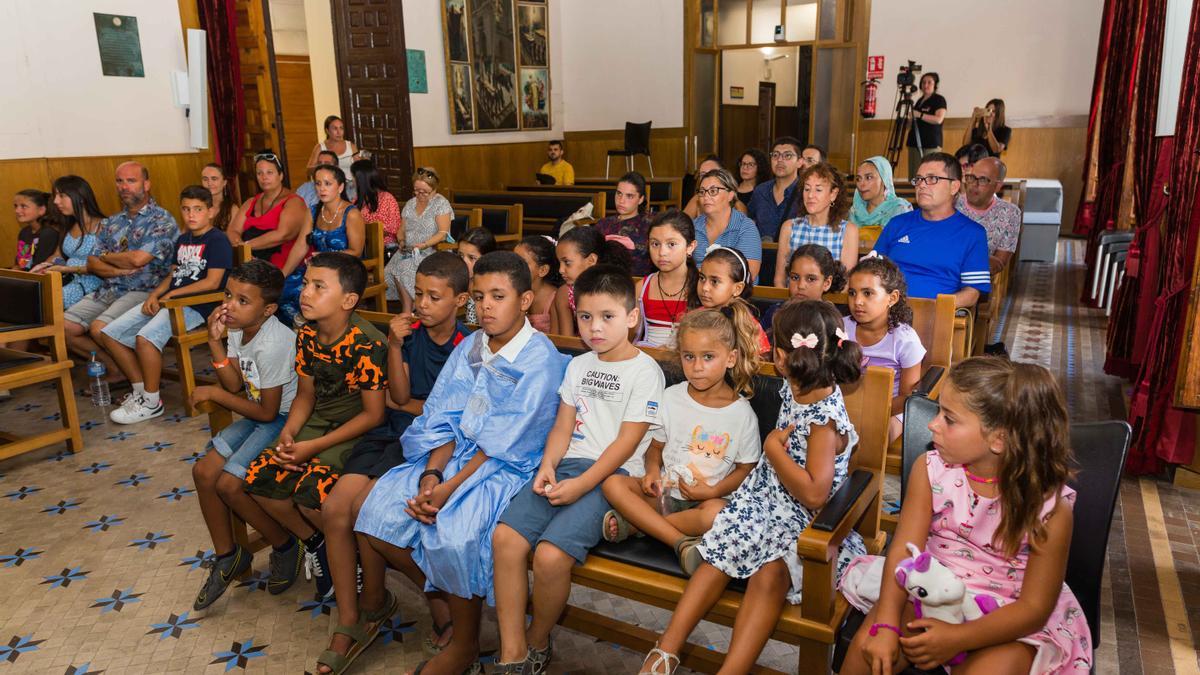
(134, 409)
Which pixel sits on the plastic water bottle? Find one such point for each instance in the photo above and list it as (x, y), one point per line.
(96, 372)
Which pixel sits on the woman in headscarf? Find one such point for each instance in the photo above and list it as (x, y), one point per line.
(875, 200)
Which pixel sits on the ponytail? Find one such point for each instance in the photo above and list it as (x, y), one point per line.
(43, 200)
(736, 328)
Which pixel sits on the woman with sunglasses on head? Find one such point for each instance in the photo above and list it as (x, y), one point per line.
(271, 220)
(720, 223)
(426, 224)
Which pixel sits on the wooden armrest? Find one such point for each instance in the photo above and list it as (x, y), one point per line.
(193, 300)
(821, 540)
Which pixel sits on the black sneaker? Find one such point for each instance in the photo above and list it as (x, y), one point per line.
(223, 572)
(285, 566)
(316, 567)
(538, 660)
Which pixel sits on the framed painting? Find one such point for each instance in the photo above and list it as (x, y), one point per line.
(497, 65)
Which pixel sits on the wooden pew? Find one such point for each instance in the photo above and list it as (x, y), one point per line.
(543, 211)
(505, 221)
(33, 310)
(372, 257)
(661, 193)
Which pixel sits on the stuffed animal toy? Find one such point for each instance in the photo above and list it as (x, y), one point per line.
(937, 594)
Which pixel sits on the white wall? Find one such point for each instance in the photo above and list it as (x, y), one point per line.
(57, 103)
(622, 61)
(745, 68)
(322, 60)
(288, 27)
(1037, 55)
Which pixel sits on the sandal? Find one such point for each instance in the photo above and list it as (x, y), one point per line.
(688, 551)
(664, 663)
(360, 634)
(473, 669)
(430, 644)
(624, 529)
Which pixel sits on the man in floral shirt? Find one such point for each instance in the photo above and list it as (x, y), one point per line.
(1001, 219)
(134, 253)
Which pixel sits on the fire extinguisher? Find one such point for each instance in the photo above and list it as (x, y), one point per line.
(870, 90)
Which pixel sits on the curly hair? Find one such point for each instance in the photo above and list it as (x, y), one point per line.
(892, 279)
(1022, 401)
(831, 268)
(840, 207)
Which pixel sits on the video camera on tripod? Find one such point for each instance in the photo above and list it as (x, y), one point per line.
(906, 86)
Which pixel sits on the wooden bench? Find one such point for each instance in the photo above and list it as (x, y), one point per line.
(542, 211)
(661, 193)
(505, 221)
(33, 310)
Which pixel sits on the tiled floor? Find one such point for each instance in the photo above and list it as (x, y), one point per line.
(100, 552)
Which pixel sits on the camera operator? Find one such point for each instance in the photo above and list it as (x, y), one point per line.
(928, 112)
(988, 128)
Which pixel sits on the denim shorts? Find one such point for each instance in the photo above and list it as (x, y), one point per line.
(156, 329)
(244, 440)
(574, 528)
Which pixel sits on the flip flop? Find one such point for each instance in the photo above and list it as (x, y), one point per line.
(688, 552)
(624, 529)
(430, 644)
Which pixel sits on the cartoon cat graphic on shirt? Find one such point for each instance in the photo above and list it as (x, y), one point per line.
(707, 457)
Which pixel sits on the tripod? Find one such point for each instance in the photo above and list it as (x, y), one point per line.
(900, 126)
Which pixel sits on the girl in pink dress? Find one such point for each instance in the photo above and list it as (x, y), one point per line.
(991, 503)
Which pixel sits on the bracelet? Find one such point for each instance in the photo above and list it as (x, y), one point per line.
(875, 629)
(431, 472)
(221, 364)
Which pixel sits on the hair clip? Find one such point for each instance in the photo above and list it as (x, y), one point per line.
(550, 239)
(809, 341)
(620, 239)
(872, 254)
(841, 335)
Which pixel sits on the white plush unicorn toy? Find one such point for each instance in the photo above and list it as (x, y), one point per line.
(938, 594)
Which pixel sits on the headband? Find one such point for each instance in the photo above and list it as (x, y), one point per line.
(745, 270)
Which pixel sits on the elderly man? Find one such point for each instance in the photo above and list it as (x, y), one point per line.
(134, 252)
(1001, 219)
(772, 199)
(939, 249)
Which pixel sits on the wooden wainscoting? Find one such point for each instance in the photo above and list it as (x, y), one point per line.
(299, 113)
(169, 174)
(489, 167)
(1053, 150)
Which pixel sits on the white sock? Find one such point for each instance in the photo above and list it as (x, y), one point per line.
(139, 388)
(150, 398)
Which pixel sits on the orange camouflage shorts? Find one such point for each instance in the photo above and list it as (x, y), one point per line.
(308, 488)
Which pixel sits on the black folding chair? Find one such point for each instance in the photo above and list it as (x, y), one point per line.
(637, 142)
(1099, 449)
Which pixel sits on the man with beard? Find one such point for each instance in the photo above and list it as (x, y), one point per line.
(134, 252)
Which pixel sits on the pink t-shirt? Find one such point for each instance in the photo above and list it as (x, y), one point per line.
(901, 348)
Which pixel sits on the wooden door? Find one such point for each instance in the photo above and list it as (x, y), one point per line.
(766, 115)
(373, 84)
(260, 87)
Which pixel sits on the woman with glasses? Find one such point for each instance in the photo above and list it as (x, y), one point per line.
(720, 223)
(337, 143)
(754, 169)
(709, 163)
(271, 220)
(875, 200)
(426, 224)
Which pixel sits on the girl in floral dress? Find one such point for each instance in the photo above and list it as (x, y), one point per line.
(991, 503)
(804, 462)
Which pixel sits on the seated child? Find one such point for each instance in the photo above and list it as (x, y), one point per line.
(992, 504)
(418, 347)
(261, 360)
(725, 280)
(203, 257)
(578, 249)
(707, 442)
(804, 462)
(475, 243)
(811, 273)
(38, 239)
(609, 399)
(341, 360)
(880, 322)
(538, 251)
(478, 440)
(665, 295)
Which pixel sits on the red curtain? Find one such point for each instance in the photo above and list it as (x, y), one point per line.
(1164, 433)
(219, 19)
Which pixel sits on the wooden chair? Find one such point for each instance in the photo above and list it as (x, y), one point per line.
(372, 257)
(813, 624)
(33, 310)
(465, 218)
(543, 211)
(182, 341)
